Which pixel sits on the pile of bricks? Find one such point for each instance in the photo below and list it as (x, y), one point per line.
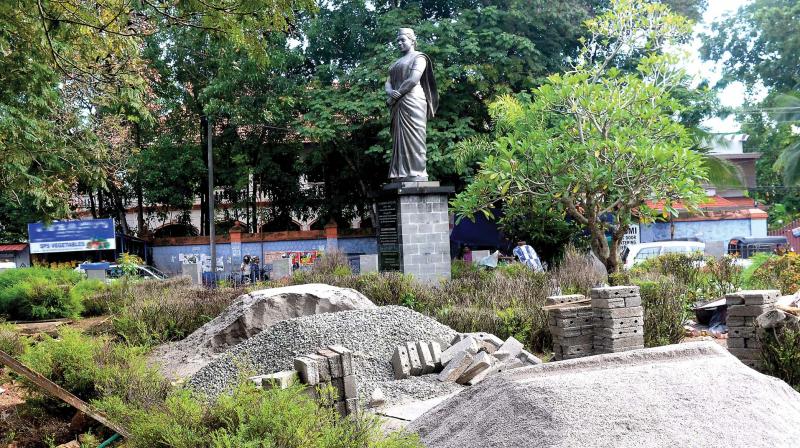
(469, 359)
(618, 319)
(330, 367)
(743, 309)
(571, 326)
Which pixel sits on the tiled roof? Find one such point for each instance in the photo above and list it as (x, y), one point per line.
(13, 247)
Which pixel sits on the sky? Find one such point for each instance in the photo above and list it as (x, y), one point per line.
(734, 94)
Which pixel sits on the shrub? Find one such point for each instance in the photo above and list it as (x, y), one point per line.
(577, 274)
(773, 272)
(780, 354)
(333, 262)
(39, 293)
(665, 310)
(11, 341)
(148, 313)
(248, 417)
(90, 294)
(704, 277)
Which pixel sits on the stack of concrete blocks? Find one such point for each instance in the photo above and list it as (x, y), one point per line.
(331, 366)
(425, 235)
(618, 319)
(571, 325)
(743, 309)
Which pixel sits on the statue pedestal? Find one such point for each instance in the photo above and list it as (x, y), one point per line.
(414, 230)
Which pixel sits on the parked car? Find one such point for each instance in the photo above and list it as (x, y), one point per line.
(637, 253)
(115, 271)
(4, 265)
(745, 247)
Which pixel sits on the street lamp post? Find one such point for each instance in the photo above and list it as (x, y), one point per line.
(211, 230)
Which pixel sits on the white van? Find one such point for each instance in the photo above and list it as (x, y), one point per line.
(637, 253)
(4, 265)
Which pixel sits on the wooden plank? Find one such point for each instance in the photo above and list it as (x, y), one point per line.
(58, 392)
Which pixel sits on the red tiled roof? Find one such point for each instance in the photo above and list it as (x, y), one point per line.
(744, 202)
(711, 202)
(13, 247)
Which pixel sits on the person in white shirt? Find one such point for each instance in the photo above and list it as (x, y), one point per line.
(527, 256)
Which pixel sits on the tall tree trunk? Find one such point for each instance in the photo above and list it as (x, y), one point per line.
(92, 206)
(204, 228)
(100, 208)
(140, 225)
(373, 209)
(255, 206)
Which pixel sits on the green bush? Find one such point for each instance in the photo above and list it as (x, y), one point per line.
(90, 293)
(248, 417)
(39, 293)
(576, 273)
(704, 277)
(765, 279)
(775, 272)
(780, 354)
(665, 310)
(11, 341)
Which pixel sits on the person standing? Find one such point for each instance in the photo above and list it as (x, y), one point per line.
(245, 269)
(527, 256)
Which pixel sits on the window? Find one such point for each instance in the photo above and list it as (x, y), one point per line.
(647, 252)
(676, 250)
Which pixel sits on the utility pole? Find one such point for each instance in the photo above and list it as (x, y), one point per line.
(212, 244)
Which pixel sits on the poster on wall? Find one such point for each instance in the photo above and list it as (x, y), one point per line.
(72, 236)
(299, 258)
(631, 236)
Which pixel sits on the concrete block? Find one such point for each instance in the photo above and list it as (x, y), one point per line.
(480, 362)
(322, 367)
(741, 321)
(350, 390)
(746, 353)
(619, 323)
(425, 357)
(616, 333)
(307, 370)
(753, 297)
(456, 367)
(618, 313)
(614, 292)
(771, 318)
(279, 380)
(413, 359)
(559, 300)
(401, 363)
(751, 343)
(741, 332)
(487, 337)
(511, 364)
(578, 340)
(748, 310)
(338, 386)
(633, 301)
(577, 350)
(468, 344)
(436, 353)
(572, 332)
(573, 322)
(340, 407)
(334, 362)
(608, 303)
(529, 358)
(630, 341)
(736, 343)
(346, 358)
(510, 349)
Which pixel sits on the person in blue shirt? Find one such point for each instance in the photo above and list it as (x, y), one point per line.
(527, 256)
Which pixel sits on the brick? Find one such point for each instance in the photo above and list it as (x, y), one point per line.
(619, 323)
(322, 366)
(578, 340)
(279, 380)
(487, 337)
(745, 353)
(349, 383)
(753, 297)
(468, 344)
(307, 370)
(573, 322)
(616, 333)
(334, 362)
(413, 359)
(482, 361)
(613, 292)
(400, 363)
(436, 352)
(741, 332)
(425, 357)
(736, 343)
(752, 343)
(346, 358)
(572, 332)
(453, 370)
(582, 350)
(618, 313)
(510, 349)
(631, 341)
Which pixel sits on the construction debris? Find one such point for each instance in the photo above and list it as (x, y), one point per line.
(642, 398)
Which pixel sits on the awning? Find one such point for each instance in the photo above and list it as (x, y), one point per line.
(13, 247)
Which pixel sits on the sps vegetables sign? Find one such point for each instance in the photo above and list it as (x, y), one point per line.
(72, 236)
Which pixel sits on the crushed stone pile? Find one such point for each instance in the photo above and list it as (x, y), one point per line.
(682, 395)
(372, 334)
(249, 315)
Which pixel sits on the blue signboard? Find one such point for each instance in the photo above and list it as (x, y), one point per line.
(72, 236)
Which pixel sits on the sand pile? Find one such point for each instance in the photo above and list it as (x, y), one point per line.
(683, 395)
(249, 315)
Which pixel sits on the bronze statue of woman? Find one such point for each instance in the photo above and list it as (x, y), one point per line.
(412, 95)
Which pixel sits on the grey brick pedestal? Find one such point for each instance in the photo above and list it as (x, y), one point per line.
(414, 230)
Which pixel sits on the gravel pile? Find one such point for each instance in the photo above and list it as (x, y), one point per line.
(372, 334)
(247, 316)
(685, 395)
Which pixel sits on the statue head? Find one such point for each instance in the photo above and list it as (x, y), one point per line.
(406, 39)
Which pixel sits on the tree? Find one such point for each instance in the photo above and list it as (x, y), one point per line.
(597, 145)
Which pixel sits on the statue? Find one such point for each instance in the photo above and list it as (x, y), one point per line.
(412, 96)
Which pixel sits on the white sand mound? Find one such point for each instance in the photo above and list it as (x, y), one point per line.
(681, 395)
